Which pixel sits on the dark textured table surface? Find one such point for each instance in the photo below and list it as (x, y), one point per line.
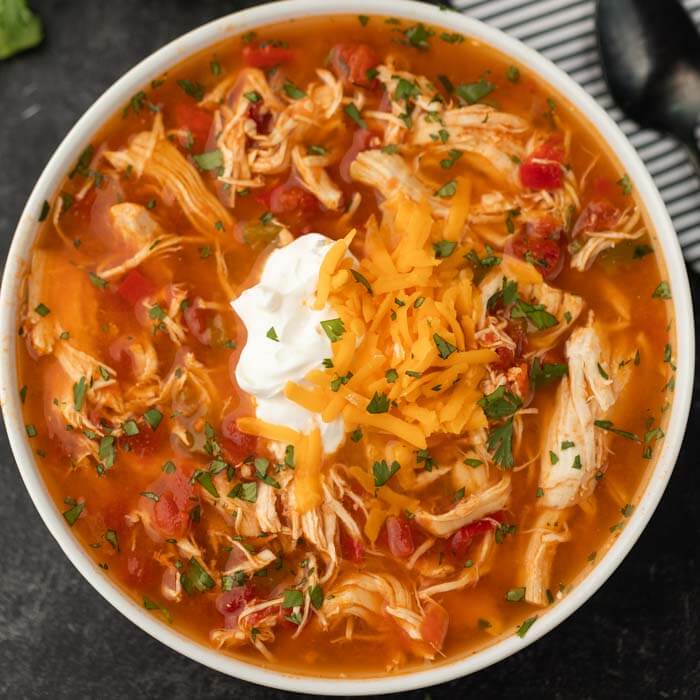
(637, 637)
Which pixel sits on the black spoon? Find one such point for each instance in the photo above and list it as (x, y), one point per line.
(650, 50)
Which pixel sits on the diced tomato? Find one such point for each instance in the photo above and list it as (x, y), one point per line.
(171, 510)
(433, 629)
(462, 539)
(145, 442)
(266, 56)
(288, 198)
(236, 444)
(541, 176)
(505, 358)
(399, 536)
(350, 62)
(197, 121)
(544, 253)
(360, 142)
(596, 216)
(547, 175)
(353, 550)
(262, 119)
(551, 149)
(233, 601)
(135, 286)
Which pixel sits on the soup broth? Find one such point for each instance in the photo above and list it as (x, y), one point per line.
(486, 233)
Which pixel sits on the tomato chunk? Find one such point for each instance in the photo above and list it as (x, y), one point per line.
(197, 121)
(351, 62)
(399, 536)
(542, 170)
(541, 176)
(462, 539)
(288, 198)
(353, 550)
(266, 56)
(544, 253)
(236, 444)
(135, 286)
(171, 511)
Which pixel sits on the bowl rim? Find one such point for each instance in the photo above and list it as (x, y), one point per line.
(108, 104)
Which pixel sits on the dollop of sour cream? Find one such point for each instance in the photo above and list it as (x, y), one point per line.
(281, 306)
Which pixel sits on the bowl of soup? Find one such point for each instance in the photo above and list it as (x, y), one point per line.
(345, 366)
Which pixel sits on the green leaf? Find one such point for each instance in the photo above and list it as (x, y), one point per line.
(334, 329)
(447, 190)
(79, 391)
(443, 249)
(418, 36)
(152, 605)
(405, 89)
(73, 513)
(42, 310)
(500, 403)
(535, 313)
(445, 349)
(205, 481)
(153, 417)
(211, 160)
(246, 491)
(130, 428)
(625, 184)
(383, 472)
(292, 91)
(378, 404)
(292, 598)
(513, 74)
(608, 425)
(196, 579)
(525, 626)
(354, 114)
(111, 537)
(316, 596)
(500, 443)
(20, 28)
(471, 93)
(541, 373)
(194, 90)
(391, 375)
(515, 595)
(663, 291)
(272, 334)
(361, 279)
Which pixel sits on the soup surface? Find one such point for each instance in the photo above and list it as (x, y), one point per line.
(346, 357)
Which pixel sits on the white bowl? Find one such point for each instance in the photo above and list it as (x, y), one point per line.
(112, 100)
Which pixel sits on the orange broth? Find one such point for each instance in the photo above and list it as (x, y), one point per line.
(96, 317)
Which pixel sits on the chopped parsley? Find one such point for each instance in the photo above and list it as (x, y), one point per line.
(195, 579)
(334, 329)
(272, 334)
(443, 249)
(73, 513)
(211, 160)
(525, 626)
(194, 90)
(292, 91)
(383, 471)
(500, 443)
(445, 349)
(472, 93)
(447, 190)
(378, 404)
(542, 373)
(361, 279)
(608, 425)
(500, 403)
(354, 114)
(663, 291)
(515, 595)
